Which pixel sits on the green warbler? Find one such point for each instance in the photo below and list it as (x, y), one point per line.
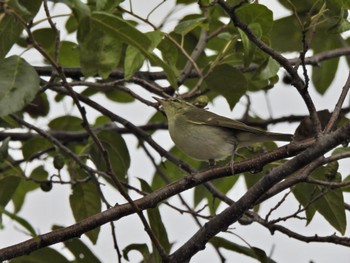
(204, 135)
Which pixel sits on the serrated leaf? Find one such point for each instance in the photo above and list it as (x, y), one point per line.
(85, 199)
(228, 82)
(19, 84)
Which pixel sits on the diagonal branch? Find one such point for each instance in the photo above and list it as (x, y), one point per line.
(231, 214)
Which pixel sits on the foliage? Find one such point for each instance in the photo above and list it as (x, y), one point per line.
(228, 49)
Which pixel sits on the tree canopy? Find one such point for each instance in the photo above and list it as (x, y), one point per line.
(69, 68)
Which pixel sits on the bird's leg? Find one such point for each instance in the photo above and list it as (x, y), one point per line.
(211, 162)
(232, 162)
(233, 158)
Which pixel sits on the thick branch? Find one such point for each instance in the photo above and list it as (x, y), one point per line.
(146, 202)
(231, 214)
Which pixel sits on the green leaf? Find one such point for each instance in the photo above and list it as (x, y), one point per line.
(81, 251)
(186, 26)
(340, 150)
(69, 54)
(8, 186)
(119, 28)
(172, 171)
(39, 107)
(107, 49)
(252, 252)
(303, 193)
(21, 221)
(223, 185)
(228, 82)
(257, 14)
(156, 223)
(19, 84)
(25, 186)
(169, 52)
(133, 61)
(10, 27)
(323, 76)
(248, 47)
(33, 146)
(46, 37)
(4, 149)
(285, 36)
(118, 95)
(41, 256)
(80, 9)
(85, 199)
(328, 202)
(117, 150)
(134, 58)
(346, 189)
(142, 248)
(300, 6)
(66, 123)
(268, 70)
(107, 5)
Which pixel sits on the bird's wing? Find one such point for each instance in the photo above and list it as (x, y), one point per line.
(196, 116)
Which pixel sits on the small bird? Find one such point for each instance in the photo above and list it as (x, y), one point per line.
(204, 135)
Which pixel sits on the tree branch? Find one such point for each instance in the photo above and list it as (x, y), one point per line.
(231, 214)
